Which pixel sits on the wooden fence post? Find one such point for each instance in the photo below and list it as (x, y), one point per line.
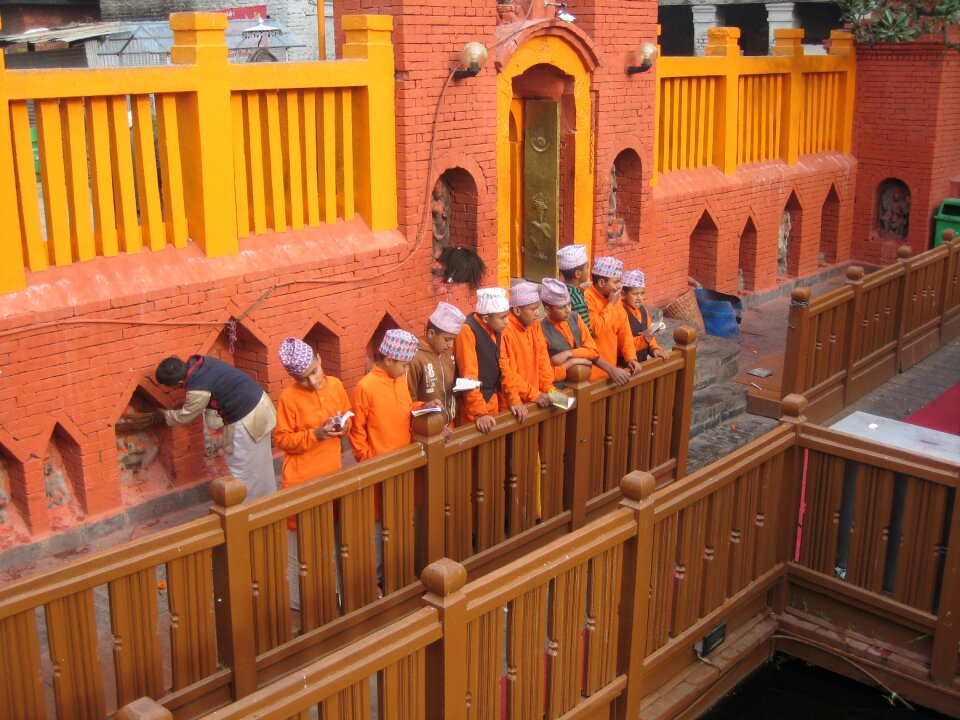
(232, 585)
(637, 489)
(854, 323)
(577, 453)
(946, 636)
(685, 341)
(904, 300)
(791, 413)
(428, 431)
(206, 127)
(446, 672)
(144, 709)
(950, 318)
(797, 349)
(12, 274)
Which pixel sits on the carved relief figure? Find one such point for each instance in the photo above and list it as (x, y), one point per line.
(893, 211)
(783, 243)
(540, 232)
(615, 224)
(440, 211)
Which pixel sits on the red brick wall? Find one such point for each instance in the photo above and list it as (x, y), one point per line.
(907, 126)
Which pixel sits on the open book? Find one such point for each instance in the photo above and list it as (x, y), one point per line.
(341, 419)
(465, 384)
(560, 400)
(424, 411)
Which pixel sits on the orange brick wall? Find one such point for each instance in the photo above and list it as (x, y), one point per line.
(907, 126)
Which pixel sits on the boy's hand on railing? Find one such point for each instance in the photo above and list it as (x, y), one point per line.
(543, 400)
(658, 353)
(485, 423)
(619, 375)
(633, 366)
(519, 412)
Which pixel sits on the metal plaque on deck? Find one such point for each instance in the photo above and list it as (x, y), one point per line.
(541, 188)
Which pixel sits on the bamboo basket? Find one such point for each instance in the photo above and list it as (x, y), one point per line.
(685, 308)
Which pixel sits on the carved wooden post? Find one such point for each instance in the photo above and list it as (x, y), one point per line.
(950, 320)
(791, 413)
(446, 672)
(685, 341)
(144, 709)
(576, 462)
(428, 431)
(637, 489)
(798, 333)
(905, 299)
(855, 321)
(232, 585)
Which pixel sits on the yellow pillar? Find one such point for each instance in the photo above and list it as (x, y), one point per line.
(375, 160)
(722, 42)
(841, 45)
(206, 132)
(789, 43)
(12, 275)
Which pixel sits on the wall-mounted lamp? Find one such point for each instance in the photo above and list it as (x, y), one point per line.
(472, 58)
(562, 12)
(645, 56)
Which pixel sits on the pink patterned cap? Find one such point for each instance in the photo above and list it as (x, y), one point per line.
(295, 356)
(572, 256)
(447, 318)
(555, 293)
(399, 345)
(634, 279)
(525, 293)
(492, 300)
(608, 267)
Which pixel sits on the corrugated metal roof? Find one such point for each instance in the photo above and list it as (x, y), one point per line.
(67, 34)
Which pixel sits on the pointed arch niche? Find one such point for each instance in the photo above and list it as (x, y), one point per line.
(626, 197)
(326, 343)
(704, 242)
(749, 252)
(376, 337)
(13, 529)
(63, 478)
(829, 226)
(790, 234)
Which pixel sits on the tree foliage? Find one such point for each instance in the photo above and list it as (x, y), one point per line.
(895, 21)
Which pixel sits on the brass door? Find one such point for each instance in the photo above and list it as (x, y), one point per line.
(541, 188)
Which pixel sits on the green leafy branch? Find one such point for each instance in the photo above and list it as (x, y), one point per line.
(897, 21)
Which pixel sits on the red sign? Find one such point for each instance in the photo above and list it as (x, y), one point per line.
(245, 13)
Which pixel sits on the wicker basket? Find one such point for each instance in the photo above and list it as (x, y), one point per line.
(685, 308)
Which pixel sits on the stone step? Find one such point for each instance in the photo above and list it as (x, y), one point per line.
(728, 436)
(716, 357)
(714, 404)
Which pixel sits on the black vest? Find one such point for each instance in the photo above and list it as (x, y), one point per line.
(556, 342)
(639, 327)
(488, 358)
(233, 393)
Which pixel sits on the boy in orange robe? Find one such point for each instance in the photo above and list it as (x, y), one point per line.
(644, 336)
(568, 340)
(308, 432)
(477, 350)
(608, 319)
(524, 358)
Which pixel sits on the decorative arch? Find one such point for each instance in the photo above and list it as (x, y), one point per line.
(12, 491)
(250, 344)
(625, 201)
(145, 459)
(891, 217)
(702, 264)
(566, 49)
(789, 236)
(748, 254)
(830, 226)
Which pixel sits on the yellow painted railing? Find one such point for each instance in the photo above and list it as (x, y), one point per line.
(727, 110)
(202, 150)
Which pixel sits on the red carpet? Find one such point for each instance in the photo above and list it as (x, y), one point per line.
(942, 414)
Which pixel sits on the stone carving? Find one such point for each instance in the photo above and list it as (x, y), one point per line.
(615, 223)
(541, 232)
(783, 244)
(440, 212)
(893, 211)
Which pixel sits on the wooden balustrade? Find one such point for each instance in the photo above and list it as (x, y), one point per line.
(206, 150)
(725, 110)
(848, 341)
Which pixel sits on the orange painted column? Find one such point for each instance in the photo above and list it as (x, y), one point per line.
(12, 275)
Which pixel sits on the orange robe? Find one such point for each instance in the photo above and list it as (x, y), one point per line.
(381, 421)
(610, 326)
(471, 403)
(639, 341)
(587, 349)
(299, 411)
(525, 362)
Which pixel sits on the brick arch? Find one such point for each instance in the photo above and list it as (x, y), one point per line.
(830, 225)
(251, 347)
(748, 253)
(371, 333)
(794, 206)
(72, 491)
(576, 38)
(13, 491)
(324, 336)
(704, 248)
(629, 167)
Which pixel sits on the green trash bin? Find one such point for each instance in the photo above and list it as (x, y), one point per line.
(947, 219)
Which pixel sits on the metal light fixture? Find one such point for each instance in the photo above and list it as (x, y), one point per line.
(562, 12)
(472, 59)
(645, 56)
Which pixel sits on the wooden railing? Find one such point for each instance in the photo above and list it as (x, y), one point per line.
(204, 149)
(726, 110)
(846, 342)
(603, 622)
(225, 588)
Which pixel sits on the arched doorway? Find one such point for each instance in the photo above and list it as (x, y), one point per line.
(544, 161)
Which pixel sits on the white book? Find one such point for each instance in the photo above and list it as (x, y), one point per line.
(465, 384)
(424, 411)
